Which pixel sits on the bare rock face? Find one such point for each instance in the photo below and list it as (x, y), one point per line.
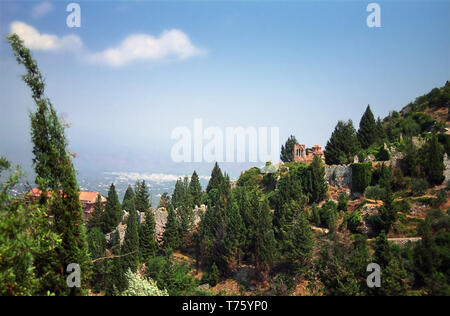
(160, 215)
(339, 175)
(370, 210)
(447, 169)
(160, 222)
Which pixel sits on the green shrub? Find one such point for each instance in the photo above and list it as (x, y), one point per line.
(383, 154)
(375, 192)
(140, 286)
(353, 221)
(418, 186)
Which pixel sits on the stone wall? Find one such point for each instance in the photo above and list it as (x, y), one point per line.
(338, 175)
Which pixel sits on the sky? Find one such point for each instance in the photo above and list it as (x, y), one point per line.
(135, 70)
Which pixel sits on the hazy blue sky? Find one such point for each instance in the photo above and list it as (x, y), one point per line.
(299, 65)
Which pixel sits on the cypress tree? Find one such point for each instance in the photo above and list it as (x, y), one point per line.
(97, 215)
(216, 178)
(380, 133)
(113, 211)
(55, 172)
(318, 185)
(195, 190)
(130, 248)
(170, 236)
(287, 150)
(392, 271)
(97, 248)
(367, 132)
(129, 199)
(433, 161)
(115, 280)
(142, 196)
(263, 241)
(235, 235)
(148, 244)
(301, 241)
(342, 145)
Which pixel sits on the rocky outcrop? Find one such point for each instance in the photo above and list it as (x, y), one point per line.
(160, 215)
(338, 175)
(447, 169)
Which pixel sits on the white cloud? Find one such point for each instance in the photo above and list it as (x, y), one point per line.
(45, 42)
(41, 9)
(171, 44)
(151, 177)
(142, 47)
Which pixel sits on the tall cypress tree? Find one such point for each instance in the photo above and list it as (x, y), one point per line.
(287, 150)
(113, 211)
(263, 244)
(216, 178)
(433, 161)
(170, 236)
(55, 172)
(130, 248)
(367, 132)
(129, 199)
(195, 189)
(148, 244)
(301, 241)
(115, 280)
(97, 215)
(97, 248)
(143, 202)
(380, 133)
(392, 271)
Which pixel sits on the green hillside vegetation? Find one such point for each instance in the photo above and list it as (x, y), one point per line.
(286, 232)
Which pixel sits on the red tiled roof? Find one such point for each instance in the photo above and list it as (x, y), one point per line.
(87, 197)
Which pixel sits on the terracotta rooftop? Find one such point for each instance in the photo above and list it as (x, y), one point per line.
(87, 197)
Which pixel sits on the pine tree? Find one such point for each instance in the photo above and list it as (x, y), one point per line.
(263, 242)
(213, 275)
(318, 186)
(367, 132)
(216, 178)
(55, 173)
(185, 212)
(301, 242)
(97, 215)
(388, 212)
(129, 199)
(97, 248)
(142, 196)
(433, 161)
(235, 234)
(115, 280)
(130, 248)
(380, 134)
(342, 145)
(195, 190)
(170, 236)
(113, 211)
(287, 150)
(392, 271)
(148, 244)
